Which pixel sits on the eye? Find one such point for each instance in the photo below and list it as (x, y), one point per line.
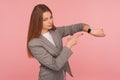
(45, 19)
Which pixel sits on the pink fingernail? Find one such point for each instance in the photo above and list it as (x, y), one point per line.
(81, 33)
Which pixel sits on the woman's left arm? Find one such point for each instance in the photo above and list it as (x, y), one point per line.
(71, 29)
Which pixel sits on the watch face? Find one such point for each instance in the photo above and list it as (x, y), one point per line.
(89, 30)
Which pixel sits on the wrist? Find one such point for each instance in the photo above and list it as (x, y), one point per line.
(68, 46)
(86, 28)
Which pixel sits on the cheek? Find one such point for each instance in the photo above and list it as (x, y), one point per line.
(44, 23)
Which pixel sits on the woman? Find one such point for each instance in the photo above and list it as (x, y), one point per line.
(44, 43)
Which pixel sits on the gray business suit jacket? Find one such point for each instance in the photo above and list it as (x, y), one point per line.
(54, 59)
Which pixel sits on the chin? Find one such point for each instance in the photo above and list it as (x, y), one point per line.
(50, 27)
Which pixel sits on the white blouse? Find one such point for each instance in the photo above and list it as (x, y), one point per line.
(49, 37)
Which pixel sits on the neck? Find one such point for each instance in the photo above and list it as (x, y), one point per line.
(44, 31)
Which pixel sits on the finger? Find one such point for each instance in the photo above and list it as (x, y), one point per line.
(103, 34)
(69, 37)
(78, 35)
(81, 34)
(101, 29)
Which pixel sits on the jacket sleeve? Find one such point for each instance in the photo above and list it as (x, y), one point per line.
(54, 63)
(70, 29)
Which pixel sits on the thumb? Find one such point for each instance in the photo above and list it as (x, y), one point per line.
(78, 35)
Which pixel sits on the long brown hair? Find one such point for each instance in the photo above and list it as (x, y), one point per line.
(36, 23)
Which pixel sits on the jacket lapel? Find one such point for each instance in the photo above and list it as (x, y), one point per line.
(47, 42)
(56, 39)
(54, 49)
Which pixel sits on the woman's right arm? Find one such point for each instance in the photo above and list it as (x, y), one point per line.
(44, 57)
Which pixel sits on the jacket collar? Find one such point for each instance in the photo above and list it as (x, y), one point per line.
(48, 43)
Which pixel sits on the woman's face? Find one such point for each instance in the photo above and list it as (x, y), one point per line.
(47, 21)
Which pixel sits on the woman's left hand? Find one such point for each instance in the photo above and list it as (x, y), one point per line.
(97, 32)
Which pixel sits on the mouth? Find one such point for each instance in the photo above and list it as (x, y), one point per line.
(49, 25)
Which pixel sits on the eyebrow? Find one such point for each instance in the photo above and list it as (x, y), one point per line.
(47, 17)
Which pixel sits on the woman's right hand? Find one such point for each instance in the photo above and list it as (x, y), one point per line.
(73, 40)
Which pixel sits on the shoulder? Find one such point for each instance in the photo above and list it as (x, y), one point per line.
(59, 29)
(34, 42)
